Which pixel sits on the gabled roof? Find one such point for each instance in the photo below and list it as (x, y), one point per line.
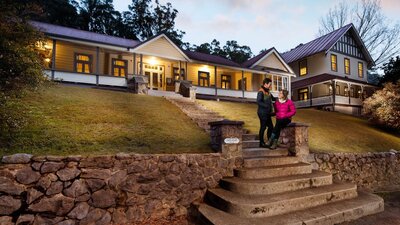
(324, 44)
(251, 63)
(203, 57)
(67, 32)
(255, 59)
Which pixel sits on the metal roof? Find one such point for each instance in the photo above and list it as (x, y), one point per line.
(60, 31)
(203, 57)
(321, 44)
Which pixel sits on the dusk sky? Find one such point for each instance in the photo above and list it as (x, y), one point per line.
(257, 23)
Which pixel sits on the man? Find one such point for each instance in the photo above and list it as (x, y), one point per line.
(265, 110)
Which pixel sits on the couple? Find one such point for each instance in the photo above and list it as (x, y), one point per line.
(283, 108)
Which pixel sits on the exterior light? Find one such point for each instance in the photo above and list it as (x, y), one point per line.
(153, 61)
(330, 87)
(47, 60)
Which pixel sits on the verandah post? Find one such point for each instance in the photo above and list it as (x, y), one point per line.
(97, 64)
(53, 59)
(242, 84)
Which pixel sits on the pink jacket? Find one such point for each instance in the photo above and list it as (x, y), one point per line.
(284, 110)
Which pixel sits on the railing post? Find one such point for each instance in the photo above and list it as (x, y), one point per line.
(226, 138)
(295, 136)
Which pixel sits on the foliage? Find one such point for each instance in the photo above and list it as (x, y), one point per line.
(20, 65)
(61, 12)
(391, 70)
(380, 36)
(383, 107)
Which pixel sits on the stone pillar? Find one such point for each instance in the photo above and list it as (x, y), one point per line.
(226, 137)
(295, 136)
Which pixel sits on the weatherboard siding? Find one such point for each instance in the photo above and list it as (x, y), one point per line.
(272, 61)
(161, 47)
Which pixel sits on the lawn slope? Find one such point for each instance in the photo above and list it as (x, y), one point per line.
(329, 131)
(77, 120)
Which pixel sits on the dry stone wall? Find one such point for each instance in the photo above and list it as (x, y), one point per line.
(120, 189)
(371, 171)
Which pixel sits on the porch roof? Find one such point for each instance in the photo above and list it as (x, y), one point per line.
(322, 78)
(203, 57)
(67, 32)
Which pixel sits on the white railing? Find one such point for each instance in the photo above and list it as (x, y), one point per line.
(205, 90)
(112, 81)
(341, 100)
(250, 94)
(75, 77)
(302, 104)
(356, 101)
(322, 100)
(47, 73)
(229, 93)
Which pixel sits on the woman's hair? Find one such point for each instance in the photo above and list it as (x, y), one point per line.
(285, 93)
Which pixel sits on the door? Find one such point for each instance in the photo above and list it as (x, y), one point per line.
(155, 75)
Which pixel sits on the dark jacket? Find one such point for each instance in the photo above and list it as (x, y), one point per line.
(265, 102)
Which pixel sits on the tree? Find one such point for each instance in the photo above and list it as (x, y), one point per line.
(383, 107)
(147, 20)
(381, 38)
(237, 53)
(21, 66)
(391, 70)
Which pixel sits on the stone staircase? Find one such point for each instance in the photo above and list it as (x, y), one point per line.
(198, 113)
(274, 188)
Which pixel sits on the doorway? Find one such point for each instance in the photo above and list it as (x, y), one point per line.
(155, 75)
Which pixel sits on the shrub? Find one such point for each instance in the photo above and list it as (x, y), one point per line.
(383, 107)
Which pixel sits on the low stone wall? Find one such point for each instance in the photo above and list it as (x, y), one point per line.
(120, 189)
(371, 171)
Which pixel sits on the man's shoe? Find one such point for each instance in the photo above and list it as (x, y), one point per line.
(263, 145)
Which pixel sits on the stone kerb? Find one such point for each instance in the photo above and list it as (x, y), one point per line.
(295, 136)
(226, 139)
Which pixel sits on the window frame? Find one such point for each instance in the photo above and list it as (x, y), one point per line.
(300, 67)
(202, 78)
(301, 92)
(113, 66)
(175, 73)
(332, 63)
(362, 69)
(226, 81)
(344, 62)
(89, 63)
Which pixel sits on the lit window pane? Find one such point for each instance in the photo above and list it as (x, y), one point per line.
(79, 67)
(122, 72)
(87, 68)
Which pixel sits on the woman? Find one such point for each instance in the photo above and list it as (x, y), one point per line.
(284, 109)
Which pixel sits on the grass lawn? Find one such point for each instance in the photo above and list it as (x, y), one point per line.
(76, 120)
(329, 131)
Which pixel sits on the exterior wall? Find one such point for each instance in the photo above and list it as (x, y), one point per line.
(193, 73)
(316, 65)
(340, 66)
(65, 55)
(162, 48)
(272, 61)
(320, 90)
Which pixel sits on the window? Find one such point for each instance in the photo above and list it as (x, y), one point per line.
(303, 94)
(204, 79)
(226, 82)
(337, 90)
(333, 62)
(285, 83)
(347, 66)
(119, 67)
(346, 91)
(83, 63)
(178, 76)
(303, 67)
(352, 92)
(279, 83)
(360, 70)
(244, 84)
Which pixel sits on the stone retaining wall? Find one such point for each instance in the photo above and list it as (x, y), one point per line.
(120, 189)
(371, 171)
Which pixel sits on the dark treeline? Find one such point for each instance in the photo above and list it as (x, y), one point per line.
(143, 19)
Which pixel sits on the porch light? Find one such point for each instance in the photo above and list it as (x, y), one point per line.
(330, 87)
(153, 61)
(46, 46)
(47, 60)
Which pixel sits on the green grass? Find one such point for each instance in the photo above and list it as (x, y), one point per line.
(75, 120)
(329, 131)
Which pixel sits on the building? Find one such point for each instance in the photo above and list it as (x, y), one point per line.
(331, 72)
(78, 56)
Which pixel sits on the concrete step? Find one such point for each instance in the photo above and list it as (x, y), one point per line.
(256, 144)
(277, 184)
(264, 152)
(249, 137)
(329, 214)
(273, 171)
(269, 161)
(256, 206)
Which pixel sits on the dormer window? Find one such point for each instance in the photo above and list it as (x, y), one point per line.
(347, 66)
(303, 67)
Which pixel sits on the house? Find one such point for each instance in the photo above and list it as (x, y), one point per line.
(78, 56)
(331, 72)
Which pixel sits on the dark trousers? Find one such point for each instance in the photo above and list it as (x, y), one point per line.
(265, 122)
(279, 125)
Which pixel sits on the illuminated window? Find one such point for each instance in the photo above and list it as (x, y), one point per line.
(333, 62)
(178, 76)
(303, 67)
(360, 70)
(225, 81)
(204, 79)
(303, 94)
(119, 67)
(83, 63)
(346, 66)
